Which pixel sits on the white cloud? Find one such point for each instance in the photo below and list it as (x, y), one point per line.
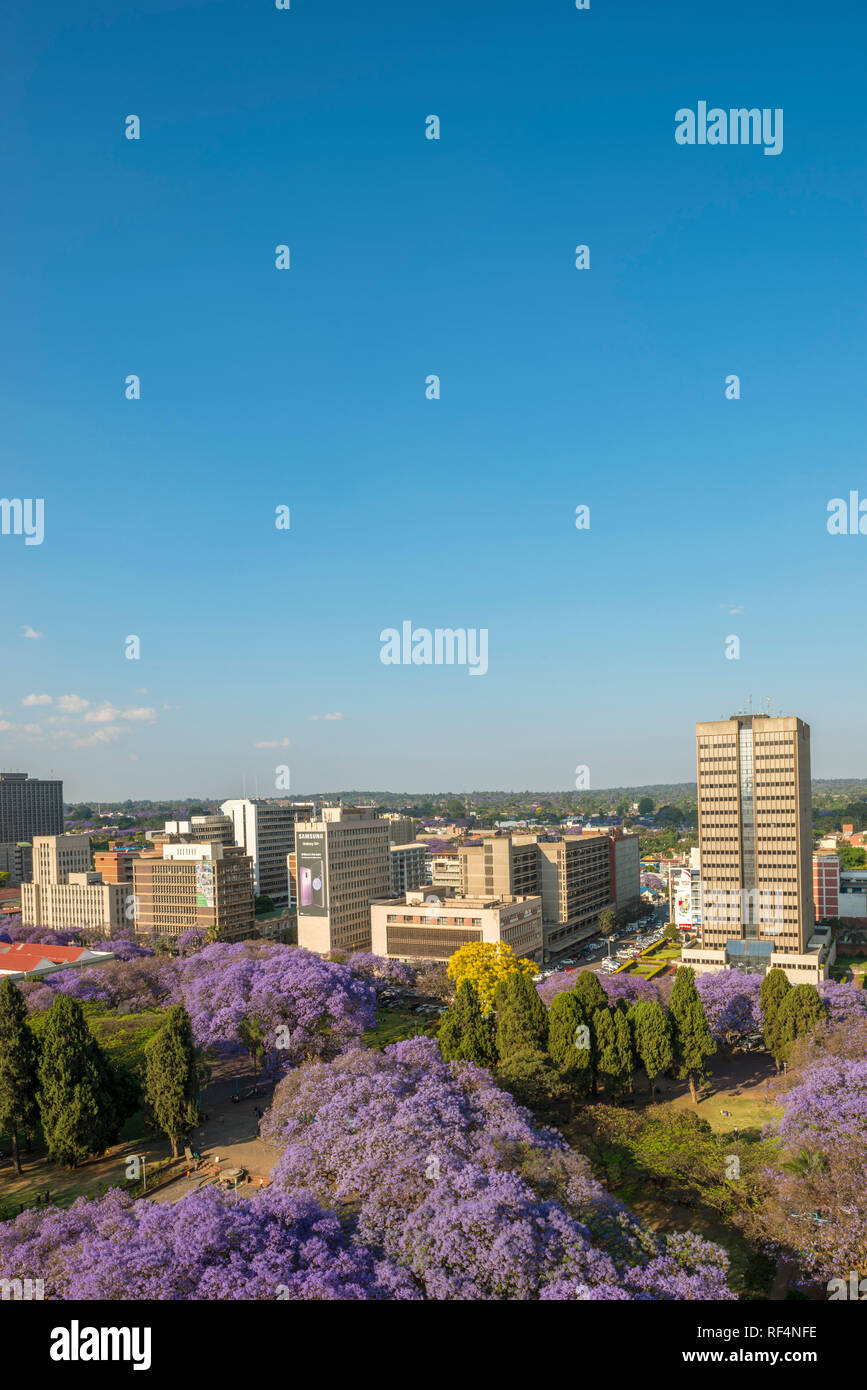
(328, 716)
(4, 725)
(72, 704)
(31, 730)
(104, 715)
(38, 700)
(274, 743)
(139, 716)
(31, 632)
(105, 735)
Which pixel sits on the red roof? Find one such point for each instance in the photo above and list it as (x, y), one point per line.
(26, 956)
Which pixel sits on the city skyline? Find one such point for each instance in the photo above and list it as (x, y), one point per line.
(306, 389)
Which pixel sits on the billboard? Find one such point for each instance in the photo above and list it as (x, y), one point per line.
(682, 895)
(204, 884)
(312, 886)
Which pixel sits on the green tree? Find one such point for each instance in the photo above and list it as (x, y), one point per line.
(19, 1062)
(522, 1019)
(651, 1037)
(690, 1034)
(589, 993)
(613, 1052)
(798, 1014)
(570, 1041)
(775, 987)
(83, 1102)
(645, 806)
(172, 1077)
(465, 1035)
(263, 903)
(607, 921)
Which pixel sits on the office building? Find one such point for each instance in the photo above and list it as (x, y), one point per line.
(183, 885)
(265, 830)
(401, 829)
(65, 893)
(115, 864)
(755, 841)
(445, 870)
(29, 807)
(572, 876)
(411, 927)
(16, 860)
(342, 866)
(409, 867)
(204, 830)
(624, 871)
(826, 885)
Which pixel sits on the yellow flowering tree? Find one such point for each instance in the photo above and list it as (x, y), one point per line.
(485, 964)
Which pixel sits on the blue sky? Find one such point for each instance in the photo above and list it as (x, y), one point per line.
(306, 388)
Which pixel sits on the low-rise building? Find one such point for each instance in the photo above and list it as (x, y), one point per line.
(417, 927)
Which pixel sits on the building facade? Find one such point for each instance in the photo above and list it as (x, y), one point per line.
(65, 894)
(342, 866)
(412, 927)
(29, 807)
(16, 860)
(572, 876)
(409, 866)
(209, 886)
(265, 830)
(755, 841)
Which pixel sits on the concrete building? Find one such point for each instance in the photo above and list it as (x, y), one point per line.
(400, 828)
(115, 865)
(342, 866)
(65, 893)
(755, 839)
(445, 870)
(826, 885)
(265, 830)
(572, 876)
(29, 807)
(178, 886)
(204, 830)
(624, 871)
(853, 895)
(412, 927)
(409, 866)
(16, 860)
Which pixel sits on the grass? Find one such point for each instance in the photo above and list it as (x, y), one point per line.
(393, 1025)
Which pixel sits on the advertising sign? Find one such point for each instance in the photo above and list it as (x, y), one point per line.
(312, 888)
(682, 899)
(204, 885)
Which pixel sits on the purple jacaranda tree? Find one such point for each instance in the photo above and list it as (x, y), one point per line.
(380, 970)
(447, 1174)
(191, 941)
(814, 1207)
(845, 1003)
(208, 1246)
(730, 1000)
(627, 986)
(298, 1005)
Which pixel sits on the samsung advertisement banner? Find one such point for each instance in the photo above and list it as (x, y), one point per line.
(683, 899)
(312, 889)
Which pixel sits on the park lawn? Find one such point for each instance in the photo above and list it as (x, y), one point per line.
(750, 1110)
(393, 1025)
